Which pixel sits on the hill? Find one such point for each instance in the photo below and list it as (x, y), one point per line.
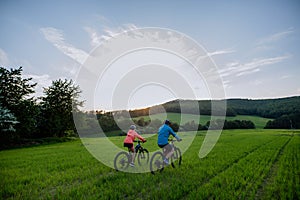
(286, 111)
(268, 108)
(283, 113)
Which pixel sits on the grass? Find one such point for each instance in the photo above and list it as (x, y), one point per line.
(259, 122)
(244, 164)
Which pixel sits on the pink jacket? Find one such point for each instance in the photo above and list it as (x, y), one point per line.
(131, 135)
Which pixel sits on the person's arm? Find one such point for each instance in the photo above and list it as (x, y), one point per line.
(174, 134)
(140, 137)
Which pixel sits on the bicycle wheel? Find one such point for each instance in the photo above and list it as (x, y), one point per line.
(121, 161)
(156, 162)
(143, 157)
(176, 158)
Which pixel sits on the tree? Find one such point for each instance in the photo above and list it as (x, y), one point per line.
(14, 97)
(7, 126)
(28, 114)
(107, 122)
(14, 88)
(60, 100)
(216, 124)
(190, 126)
(235, 124)
(7, 120)
(141, 122)
(286, 121)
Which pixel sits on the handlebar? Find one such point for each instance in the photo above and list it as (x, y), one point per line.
(174, 140)
(138, 141)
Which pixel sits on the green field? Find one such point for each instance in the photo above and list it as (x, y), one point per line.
(245, 164)
(259, 122)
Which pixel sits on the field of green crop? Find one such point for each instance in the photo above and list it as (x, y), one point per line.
(245, 164)
(259, 122)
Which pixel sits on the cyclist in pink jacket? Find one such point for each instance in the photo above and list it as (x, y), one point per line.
(128, 142)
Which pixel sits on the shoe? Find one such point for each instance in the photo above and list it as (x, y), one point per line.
(131, 164)
(166, 161)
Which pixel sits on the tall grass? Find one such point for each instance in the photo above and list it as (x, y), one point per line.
(244, 164)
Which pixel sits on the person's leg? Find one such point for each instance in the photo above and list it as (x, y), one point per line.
(132, 156)
(131, 153)
(164, 150)
(169, 151)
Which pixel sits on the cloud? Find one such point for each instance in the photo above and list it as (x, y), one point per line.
(274, 37)
(43, 81)
(285, 77)
(3, 58)
(209, 54)
(111, 32)
(226, 84)
(237, 69)
(97, 39)
(10, 62)
(220, 52)
(70, 70)
(248, 72)
(56, 37)
(256, 82)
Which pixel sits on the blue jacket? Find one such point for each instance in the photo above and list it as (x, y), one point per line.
(163, 134)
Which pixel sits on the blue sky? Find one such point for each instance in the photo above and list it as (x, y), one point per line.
(255, 44)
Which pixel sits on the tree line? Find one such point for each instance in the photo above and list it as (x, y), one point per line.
(285, 121)
(109, 123)
(26, 116)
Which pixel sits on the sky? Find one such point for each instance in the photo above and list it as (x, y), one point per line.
(255, 45)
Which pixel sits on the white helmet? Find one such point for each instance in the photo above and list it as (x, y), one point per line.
(132, 127)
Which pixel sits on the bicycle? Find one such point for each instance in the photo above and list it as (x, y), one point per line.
(157, 160)
(123, 158)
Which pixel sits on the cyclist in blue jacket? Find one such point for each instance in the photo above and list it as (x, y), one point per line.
(163, 135)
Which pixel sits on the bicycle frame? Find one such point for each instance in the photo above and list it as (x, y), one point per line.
(172, 146)
(157, 163)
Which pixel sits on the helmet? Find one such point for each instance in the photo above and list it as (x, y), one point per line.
(167, 122)
(132, 127)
